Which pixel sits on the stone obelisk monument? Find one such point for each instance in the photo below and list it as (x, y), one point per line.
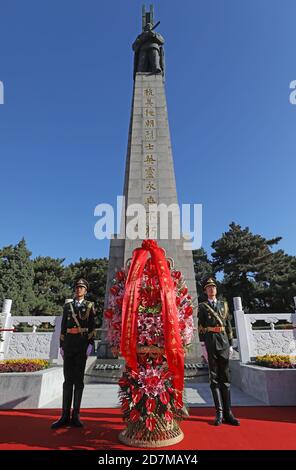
(149, 174)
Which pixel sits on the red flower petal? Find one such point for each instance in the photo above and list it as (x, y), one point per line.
(134, 415)
(150, 405)
(168, 416)
(125, 405)
(150, 423)
(136, 396)
(164, 398)
(114, 290)
(120, 275)
(108, 313)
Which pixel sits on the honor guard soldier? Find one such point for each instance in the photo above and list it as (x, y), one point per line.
(76, 344)
(215, 335)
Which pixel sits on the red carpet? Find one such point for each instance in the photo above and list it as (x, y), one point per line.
(261, 428)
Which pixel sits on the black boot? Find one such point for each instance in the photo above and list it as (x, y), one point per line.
(75, 421)
(228, 415)
(218, 405)
(67, 401)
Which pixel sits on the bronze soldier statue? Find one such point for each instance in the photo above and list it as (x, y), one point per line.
(215, 335)
(149, 54)
(76, 344)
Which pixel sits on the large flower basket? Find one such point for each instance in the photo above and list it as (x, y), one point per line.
(150, 322)
(153, 427)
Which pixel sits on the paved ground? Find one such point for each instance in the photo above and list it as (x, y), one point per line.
(197, 394)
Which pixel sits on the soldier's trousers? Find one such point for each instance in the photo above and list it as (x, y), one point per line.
(219, 374)
(74, 367)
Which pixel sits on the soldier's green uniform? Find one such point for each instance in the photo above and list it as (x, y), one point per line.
(77, 333)
(217, 342)
(214, 327)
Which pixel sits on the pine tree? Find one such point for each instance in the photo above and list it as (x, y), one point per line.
(17, 277)
(265, 280)
(276, 286)
(50, 286)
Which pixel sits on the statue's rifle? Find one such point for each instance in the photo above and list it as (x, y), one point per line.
(155, 26)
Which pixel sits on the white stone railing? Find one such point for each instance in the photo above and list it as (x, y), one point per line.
(257, 342)
(32, 344)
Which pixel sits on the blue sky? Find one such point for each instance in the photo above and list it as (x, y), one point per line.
(67, 73)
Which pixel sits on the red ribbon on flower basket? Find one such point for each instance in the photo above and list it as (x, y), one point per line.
(131, 300)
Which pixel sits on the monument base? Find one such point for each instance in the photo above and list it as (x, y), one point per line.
(105, 371)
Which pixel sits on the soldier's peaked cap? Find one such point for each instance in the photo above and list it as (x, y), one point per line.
(210, 281)
(82, 282)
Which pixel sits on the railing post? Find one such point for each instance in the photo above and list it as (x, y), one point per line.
(242, 330)
(55, 355)
(5, 324)
(237, 303)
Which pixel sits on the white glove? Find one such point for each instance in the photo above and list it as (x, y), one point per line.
(230, 351)
(204, 351)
